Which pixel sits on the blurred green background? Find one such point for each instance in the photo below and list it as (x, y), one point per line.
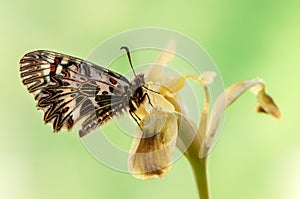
(256, 156)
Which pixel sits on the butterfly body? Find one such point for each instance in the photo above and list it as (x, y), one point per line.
(69, 89)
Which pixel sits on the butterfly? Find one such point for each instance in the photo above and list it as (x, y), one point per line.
(69, 89)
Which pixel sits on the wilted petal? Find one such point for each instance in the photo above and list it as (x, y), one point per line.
(169, 87)
(191, 137)
(176, 83)
(155, 71)
(152, 149)
(265, 103)
(187, 132)
(257, 86)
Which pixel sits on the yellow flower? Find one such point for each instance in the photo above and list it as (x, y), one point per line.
(164, 122)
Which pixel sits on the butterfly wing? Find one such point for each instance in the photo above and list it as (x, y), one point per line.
(69, 89)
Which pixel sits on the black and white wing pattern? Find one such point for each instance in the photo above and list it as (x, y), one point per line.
(69, 89)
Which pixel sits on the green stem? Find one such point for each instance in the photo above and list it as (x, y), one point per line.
(200, 172)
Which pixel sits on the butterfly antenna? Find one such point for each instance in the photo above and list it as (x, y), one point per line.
(129, 58)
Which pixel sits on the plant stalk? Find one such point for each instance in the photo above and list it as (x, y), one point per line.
(199, 166)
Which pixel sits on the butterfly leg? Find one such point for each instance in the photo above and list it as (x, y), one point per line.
(146, 95)
(136, 118)
(150, 90)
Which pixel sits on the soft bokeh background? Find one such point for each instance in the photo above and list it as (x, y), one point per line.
(256, 155)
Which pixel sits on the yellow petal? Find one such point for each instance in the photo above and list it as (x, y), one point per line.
(153, 147)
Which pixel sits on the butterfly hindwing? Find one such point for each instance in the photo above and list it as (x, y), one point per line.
(69, 89)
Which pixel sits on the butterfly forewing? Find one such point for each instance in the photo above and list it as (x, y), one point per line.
(69, 89)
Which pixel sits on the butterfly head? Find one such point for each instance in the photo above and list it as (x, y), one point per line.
(139, 81)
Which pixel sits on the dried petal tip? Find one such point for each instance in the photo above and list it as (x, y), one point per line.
(267, 105)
